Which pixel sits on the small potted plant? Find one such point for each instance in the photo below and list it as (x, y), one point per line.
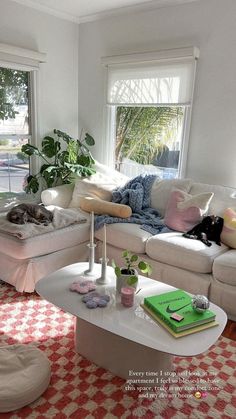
(128, 274)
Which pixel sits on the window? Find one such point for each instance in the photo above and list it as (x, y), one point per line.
(15, 129)
(149, 101)
(18, 123)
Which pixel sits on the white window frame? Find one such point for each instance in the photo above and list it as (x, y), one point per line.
(32, 105)
(21, 59)
(109, 110)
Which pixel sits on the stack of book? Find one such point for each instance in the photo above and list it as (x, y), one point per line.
(174, 311)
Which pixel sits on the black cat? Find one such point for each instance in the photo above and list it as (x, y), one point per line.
(208, 230)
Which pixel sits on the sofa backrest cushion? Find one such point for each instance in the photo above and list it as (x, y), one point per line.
(100, 185)
(161, 190)
(223, 198)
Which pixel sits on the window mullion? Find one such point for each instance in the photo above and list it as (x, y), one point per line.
(34, 163)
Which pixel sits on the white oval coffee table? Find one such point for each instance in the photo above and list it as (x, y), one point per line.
(123, 340)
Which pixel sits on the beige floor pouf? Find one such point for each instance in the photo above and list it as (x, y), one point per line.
(24, 375)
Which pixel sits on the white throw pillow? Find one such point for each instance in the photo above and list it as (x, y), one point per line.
(161, 190)
(100, 185)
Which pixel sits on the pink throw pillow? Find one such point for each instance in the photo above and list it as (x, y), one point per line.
(184, 211)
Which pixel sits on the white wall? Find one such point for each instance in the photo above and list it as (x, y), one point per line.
(208, 24)
(58, 77)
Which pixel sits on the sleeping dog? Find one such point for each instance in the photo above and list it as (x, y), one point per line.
(208, 230)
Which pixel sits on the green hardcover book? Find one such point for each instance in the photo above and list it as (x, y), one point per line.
(179, 302)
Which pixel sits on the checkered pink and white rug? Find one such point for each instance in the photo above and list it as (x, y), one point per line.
(203, 386)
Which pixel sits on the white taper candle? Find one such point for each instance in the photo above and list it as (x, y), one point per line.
(92, 229)
(104, 243)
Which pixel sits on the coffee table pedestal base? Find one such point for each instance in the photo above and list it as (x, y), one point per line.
(118, 355)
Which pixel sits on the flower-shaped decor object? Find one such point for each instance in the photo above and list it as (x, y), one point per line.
(94, 300)
(83, 287)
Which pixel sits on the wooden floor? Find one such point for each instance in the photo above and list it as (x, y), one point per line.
(230, 330)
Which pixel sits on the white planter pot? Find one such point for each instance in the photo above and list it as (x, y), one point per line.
(122, 281)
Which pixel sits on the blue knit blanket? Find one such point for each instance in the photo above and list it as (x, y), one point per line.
(137, 194)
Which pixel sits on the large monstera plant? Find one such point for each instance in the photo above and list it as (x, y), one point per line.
(60, 165)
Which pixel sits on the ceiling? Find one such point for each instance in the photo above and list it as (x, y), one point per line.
(87, 10)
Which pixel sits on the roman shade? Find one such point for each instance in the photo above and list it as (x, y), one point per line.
(158, 78)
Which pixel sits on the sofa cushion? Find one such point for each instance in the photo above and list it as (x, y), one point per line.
(223, 198)
(228, 235)
(44, 243)
(224, 268)
(176, 250)
(125, 236)
(184, 211)
(161, 190)
(98, 186)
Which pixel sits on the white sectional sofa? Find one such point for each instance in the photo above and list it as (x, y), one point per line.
(176, 260)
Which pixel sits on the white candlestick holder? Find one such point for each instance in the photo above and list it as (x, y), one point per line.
(103, 278)
(90, 270)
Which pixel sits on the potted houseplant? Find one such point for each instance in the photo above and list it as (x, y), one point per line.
(128, 274)
(60, 164)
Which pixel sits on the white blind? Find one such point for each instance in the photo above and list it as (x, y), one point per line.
(155, 82)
